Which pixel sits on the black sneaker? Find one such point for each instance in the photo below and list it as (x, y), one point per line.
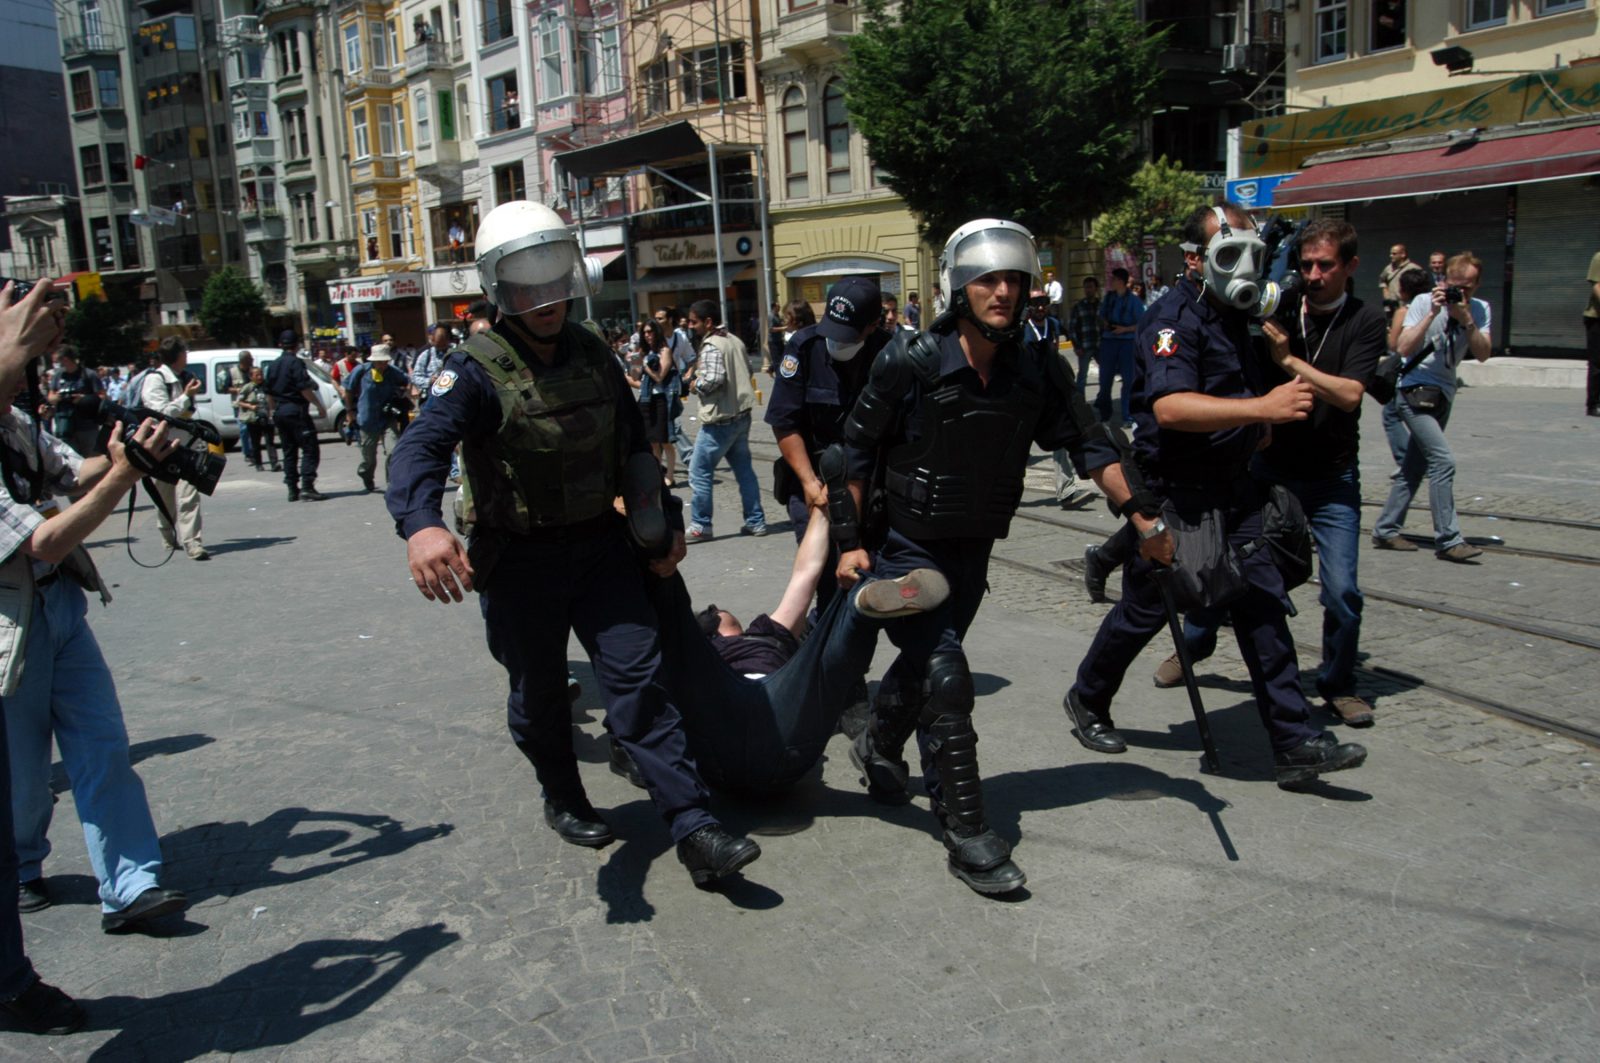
(153, 903)
(32, 896)
(44, 1009)
(711, 853)
(1314, 757)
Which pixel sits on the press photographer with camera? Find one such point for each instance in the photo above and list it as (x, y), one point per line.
(54, 681)
(163, 390)
(1449, 323)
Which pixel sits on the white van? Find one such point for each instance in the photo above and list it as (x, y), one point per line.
(213, 404)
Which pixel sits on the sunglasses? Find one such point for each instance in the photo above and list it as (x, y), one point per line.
(1038, 304)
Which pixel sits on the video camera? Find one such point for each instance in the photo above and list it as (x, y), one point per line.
(1282, 286)
(198, 458)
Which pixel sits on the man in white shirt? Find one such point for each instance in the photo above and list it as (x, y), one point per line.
(165, 392)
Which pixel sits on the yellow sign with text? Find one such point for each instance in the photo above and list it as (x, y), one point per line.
(1282, 144)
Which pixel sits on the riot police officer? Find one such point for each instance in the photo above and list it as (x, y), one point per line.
(1201, 410)
(547, 425)
(950, 418)
(821, 372)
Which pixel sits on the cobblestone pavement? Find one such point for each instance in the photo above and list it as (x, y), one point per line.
(324, 754)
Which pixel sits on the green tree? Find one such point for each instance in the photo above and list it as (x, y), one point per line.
(1019, 109)
(1159, 197)
(106, 331)
(231, 309)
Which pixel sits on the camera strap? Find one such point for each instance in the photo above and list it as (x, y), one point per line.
(161, 507)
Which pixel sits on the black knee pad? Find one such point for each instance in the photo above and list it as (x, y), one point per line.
(950, 693)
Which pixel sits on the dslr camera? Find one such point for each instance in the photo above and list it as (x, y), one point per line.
(198, 458)
(1452, 294)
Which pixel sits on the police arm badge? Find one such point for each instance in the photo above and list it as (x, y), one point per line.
(1166, 344)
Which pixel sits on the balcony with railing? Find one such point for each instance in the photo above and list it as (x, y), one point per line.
(432, 55)
(242, 29)
(816, 34)
(263, 225)
(87, 44)
(377, 168)
(365, 80)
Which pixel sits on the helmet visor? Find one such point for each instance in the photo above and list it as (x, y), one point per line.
(526, 278)
(992, 251)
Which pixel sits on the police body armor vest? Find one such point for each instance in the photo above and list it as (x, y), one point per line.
(554, 460)
(963, 475)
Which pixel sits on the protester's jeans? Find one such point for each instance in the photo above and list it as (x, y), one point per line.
(247, 444)
(1115, 359)
(1333, 509)
(386, 433)
(680, 442)
(730, 440)
(66, 691)
(1418, 444)
(1085, 356)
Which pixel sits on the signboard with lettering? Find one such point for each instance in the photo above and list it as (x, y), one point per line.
(1253, 192)
(375, 289)
(1282, 144)
(699, 250)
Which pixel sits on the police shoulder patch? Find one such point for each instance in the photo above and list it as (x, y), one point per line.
(789, 366)
(1166, 344)
(444, 382)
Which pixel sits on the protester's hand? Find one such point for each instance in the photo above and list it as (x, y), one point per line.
(666, 566)
(30, 328)
(1288, 402)
(817, 495)
(439, 565)
(1277, 342)
(192, 387)
(1157, 549)
(851, 564)
(151, 435)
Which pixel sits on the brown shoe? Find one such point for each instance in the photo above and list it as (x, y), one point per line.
(1169, 673)
(1459, 553)
(1353, 710)
(1394, 542)
(918, 591)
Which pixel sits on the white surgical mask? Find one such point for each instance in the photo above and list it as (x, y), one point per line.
(843, 352)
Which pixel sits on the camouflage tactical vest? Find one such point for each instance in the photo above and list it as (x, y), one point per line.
(554, 460)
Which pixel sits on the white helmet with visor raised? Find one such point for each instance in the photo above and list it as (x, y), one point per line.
(528, 258)
(988, 245)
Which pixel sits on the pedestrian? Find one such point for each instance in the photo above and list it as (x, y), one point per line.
(427, 364)
(162, 390)
(1120, 311)
(1436, 260)
(1083, 329)
(377, 391)
(293, 392)
(1389, 276)
(913, 312)
(1054, 293)
(1450, 322)
(940, 304)
(1042, 333)
(565, 547)
(1591, 336)
(255, 418)
(238, 376)
(891, 315)
(974, 399)
(659, 391)
(70, 382)
(722, 383)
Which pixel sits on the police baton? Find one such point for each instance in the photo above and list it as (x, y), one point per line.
(1162, 574)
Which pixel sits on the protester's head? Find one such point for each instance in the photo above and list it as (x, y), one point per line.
(1463, 270)
(257, 375)
(173, 353)
(651, 338)
(1436, 263)
(1414, 282)
(1328, 259)
(1397, 254)
(381, 354)
(798, 315)
(714, 621)
(1091, 287)
(1119, 280)
(704, 318)
(1038, 304)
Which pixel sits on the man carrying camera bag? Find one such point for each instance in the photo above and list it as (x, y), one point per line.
(378, 392)
(164, 391)
(54, 681)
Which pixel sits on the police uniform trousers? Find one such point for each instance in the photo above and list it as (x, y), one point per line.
(964, 563)
(298, 435)
(1260, 624)
(585, 578)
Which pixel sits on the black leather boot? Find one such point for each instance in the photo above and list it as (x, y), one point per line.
(711, 853)
(577, 822)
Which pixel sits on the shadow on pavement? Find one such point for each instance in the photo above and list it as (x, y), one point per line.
(258, 542)
(620, 880)
(139, 751)
(236, 857)
(275, 1002)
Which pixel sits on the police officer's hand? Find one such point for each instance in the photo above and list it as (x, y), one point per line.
(851, 564)
(817, 495)
(1277, 342)
(1287, 402)
(1157, 549)
(666, 566)
(439, 565)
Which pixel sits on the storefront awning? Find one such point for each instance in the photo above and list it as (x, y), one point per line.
(1456, 167)
(692, 278)
(653, 146)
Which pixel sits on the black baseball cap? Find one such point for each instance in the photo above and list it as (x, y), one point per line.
(853, 304)
(287, 338)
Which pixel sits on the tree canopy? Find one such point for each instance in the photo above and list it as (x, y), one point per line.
(231, 308)
(1159, 197)
(106, 331)
(1019, 109)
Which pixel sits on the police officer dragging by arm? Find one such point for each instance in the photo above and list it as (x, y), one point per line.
(1201, 410)
(950, 417)
(293, 393)
(547, 424)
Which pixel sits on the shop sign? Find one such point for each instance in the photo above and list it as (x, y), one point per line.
(698, 250)
(374, 289)
(1282, 144)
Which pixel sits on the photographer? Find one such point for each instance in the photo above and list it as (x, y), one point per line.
(163, 391)
(1451, 324)
(379, 396)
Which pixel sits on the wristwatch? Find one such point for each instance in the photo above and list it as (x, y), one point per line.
(1158, 528)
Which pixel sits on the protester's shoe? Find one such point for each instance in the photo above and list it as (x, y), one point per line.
(199, 553)
(311, 494)
(711, 853)
(983, 862)
(258, 466)
(623, 764)
(1592, 411)
(1077, 499)
(153, 903)
(1316, 756)
(697, 534)
(1096, 570)
(368, 486)
(1460, 553)
(277, 467)
(1169, 673)
(294, 493)
(1094, 732)
(574, 689)
(1352, 709)
(44, 1009)
(577, 822)
(756, 530)
(857, 714)
(33, 896)
(918, 591)
(1394, 542)
(886, 778)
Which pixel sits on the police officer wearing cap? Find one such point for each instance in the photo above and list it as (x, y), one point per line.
(950, 416)
(1201, 410)
(550, 436)
(821, 372)
(293, 393)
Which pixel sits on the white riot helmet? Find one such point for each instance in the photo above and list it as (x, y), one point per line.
(528, 258)
(1233, 263)
(988, 245)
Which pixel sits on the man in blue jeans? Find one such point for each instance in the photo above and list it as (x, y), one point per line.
(723, 383)
(1120, 311)
(1333, 342)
